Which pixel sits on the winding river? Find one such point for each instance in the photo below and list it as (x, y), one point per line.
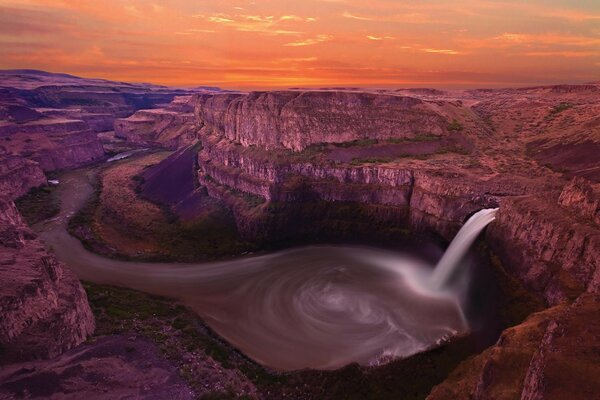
(312, 307)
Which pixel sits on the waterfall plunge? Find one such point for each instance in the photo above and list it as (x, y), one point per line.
(460, 245)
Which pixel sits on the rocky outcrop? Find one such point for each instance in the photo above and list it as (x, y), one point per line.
(53, 143)
(54, 118)
(580, 197)
(545, 357)
(551, 242)
(259, 145)
(43, 308)
(295, 120)
(18, 175)
(112, 367)
(171, 127)
(422, 196)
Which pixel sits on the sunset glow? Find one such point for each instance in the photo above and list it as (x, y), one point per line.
(269, 44)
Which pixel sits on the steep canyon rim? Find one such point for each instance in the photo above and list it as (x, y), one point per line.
(317, 307)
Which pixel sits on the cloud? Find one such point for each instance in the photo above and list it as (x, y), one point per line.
(378, 38)
(219, 20)
(298, 59)
(347, 14)
(311, 41)
(267, 24)
(441, 51)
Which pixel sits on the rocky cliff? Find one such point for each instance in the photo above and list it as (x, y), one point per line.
(53, 143)
(171, 127)
(295, 119)
(545, 357)
(552, 242)
(54, 118)
(43, 308)
(425, 161)
(412, 156)
(18, 175)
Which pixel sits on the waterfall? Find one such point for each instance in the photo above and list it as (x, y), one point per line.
(460, 244)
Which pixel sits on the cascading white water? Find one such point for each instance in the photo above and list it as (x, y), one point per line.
(460, 245)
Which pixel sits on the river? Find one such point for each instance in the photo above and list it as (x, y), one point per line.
(316, 307)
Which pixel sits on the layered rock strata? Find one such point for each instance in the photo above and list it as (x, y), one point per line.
(552, 243)
(54, 144)
(171, 127)
(277, 148)
(18, 175)
(545, 357)
(295, 120)
(43, 307)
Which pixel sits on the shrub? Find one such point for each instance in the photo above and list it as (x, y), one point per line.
(455, 126)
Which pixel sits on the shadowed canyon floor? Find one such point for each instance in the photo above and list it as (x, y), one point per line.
(259, 171)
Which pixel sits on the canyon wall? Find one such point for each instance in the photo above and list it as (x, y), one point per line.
(295, 119)
(43, 307)
(285, 160)
(545, 357)
(552, 243)
(53, 143)
(171, 127)
(18, 175)
(54, 118)
(262, 150)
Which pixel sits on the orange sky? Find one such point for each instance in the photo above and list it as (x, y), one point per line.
(284, 43)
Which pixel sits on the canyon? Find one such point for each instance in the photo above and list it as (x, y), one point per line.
(313, 166)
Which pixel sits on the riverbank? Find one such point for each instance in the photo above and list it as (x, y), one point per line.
(118, 222)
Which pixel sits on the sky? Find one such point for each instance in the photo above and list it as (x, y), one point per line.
(266, 44)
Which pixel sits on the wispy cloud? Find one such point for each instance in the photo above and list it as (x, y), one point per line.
(268, 24)
(347, 14)
(309, 42)
(441, 51)
(378, 38)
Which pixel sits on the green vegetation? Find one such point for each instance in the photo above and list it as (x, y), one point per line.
(357, 143)
(455, 125)
(80, 224)
(372, 160)
(420, 137)
(561, 107)
(176, 331)
(211, 235)
(183, 338)
(39, 204)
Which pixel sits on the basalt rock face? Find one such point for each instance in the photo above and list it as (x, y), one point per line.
(54, 118)
(53, 143)
(295, 120)
(43, 307)
(171, 127)
(18, 175)
(545, 357)
(424, 160)
(289, 149)
(552, 242)
(98, 370)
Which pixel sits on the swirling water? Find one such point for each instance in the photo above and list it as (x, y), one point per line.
(311, 307)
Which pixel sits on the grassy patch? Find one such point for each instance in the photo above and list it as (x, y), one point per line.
(373, 160)
(117, 222)
(178, 332)
(39, 204)
(357, 143)
(561, 107)
(184, 339)
(455, 125)
(420, 137)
